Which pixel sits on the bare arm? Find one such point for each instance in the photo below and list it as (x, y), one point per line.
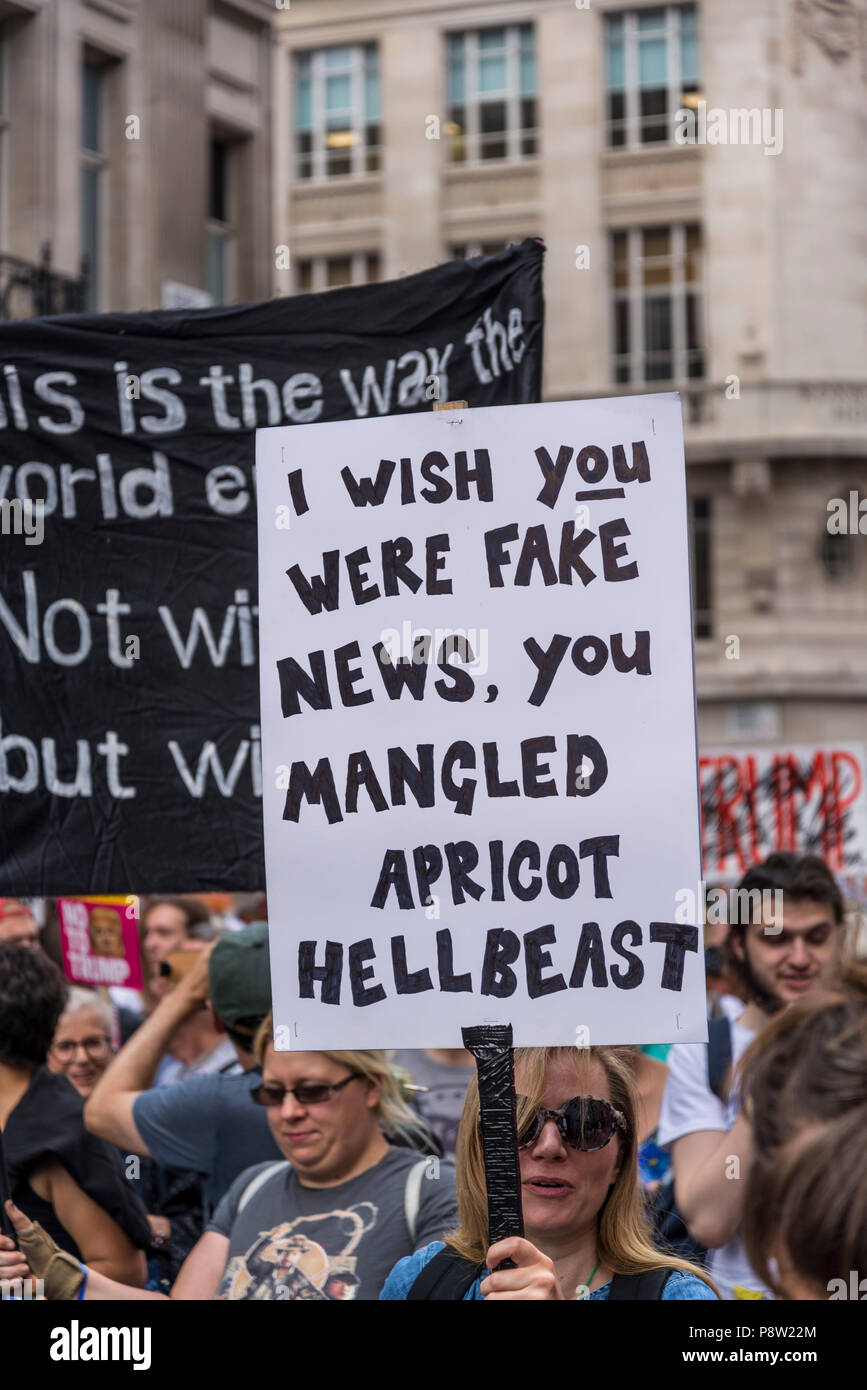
(109, 1110)
(199, 1277)
(200, 1274)
(104, 1246)
(709, 1172)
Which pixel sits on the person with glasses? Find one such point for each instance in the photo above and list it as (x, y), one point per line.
(73, 1184)
(327, 1222)
(81, 1049)
(585, 1235)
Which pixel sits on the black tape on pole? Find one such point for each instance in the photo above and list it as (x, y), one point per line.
(491, 1045)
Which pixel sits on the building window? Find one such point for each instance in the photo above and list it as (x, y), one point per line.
(837, 556)
(491, 93)
(221, 230)
(651, 71)
(337, 112)
(656, 283)
(699, 528)
(331, 272)
(93, 173)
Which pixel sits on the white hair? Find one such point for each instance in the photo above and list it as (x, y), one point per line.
(79, 999)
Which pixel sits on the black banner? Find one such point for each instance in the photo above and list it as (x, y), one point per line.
(129, 703)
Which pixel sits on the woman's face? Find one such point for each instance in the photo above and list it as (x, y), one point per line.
(81, 1049)
(562, 1189)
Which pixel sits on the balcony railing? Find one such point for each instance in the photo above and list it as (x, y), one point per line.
(29, 290)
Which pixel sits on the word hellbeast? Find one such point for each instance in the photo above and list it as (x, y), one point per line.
(503, 948)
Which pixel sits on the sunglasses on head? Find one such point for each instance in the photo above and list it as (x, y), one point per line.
(308, 1093)
(585, 1123)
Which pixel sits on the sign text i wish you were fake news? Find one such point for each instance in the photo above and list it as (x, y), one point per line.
(478, 723)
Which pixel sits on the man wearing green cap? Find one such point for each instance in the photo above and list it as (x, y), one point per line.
(206, 1124)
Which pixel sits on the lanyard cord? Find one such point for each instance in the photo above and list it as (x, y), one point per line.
(590, 1280)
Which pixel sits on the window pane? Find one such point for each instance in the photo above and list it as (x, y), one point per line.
(372, 141)
(688, 45)
(90, 233)
(455, 69)
(651, 21)
(621, 327)
(338, 271)
(372, 109)
(337, 59)
(456, 81)
(528, 113)
(693, 322)
(217, 268)
(656, 254)
(218, 199)
(492, 74)
(528, 62)
(692, 271)
(304, 277)
(657, 324)
(303, 103)
(699, 515)
(338, 95)
(490, 39)
(619, 263)
(338, 161)
(657, 338)
(616, 119)
(371, 267)
(455, 132)
(91, 107)
(652, 68)
(615, 67)
(304, 153)
(654, 121)
(492, 126)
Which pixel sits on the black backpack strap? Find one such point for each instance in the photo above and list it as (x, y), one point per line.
(648, 1285)
(447, 1276)
(719, 1054)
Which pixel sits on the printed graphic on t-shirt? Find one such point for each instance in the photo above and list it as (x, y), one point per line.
(442, 1106)
(312, 1257)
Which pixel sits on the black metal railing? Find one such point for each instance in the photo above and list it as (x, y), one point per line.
(28, 289)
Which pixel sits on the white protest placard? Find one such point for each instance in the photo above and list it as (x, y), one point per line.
(478, 727)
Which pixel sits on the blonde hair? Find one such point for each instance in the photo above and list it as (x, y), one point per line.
(623, 1242)
(395, 1116)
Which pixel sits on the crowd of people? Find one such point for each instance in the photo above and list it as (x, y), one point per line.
(161, 1147)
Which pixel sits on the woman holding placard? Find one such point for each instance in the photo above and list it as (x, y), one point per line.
(585, 1231)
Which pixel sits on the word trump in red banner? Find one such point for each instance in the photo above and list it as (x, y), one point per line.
(810, 800)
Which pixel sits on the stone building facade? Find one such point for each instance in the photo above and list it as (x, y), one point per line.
(408, 131)
(135, 151)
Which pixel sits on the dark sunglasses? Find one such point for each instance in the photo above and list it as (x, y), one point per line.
(585, 1123)
(309, 1093)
